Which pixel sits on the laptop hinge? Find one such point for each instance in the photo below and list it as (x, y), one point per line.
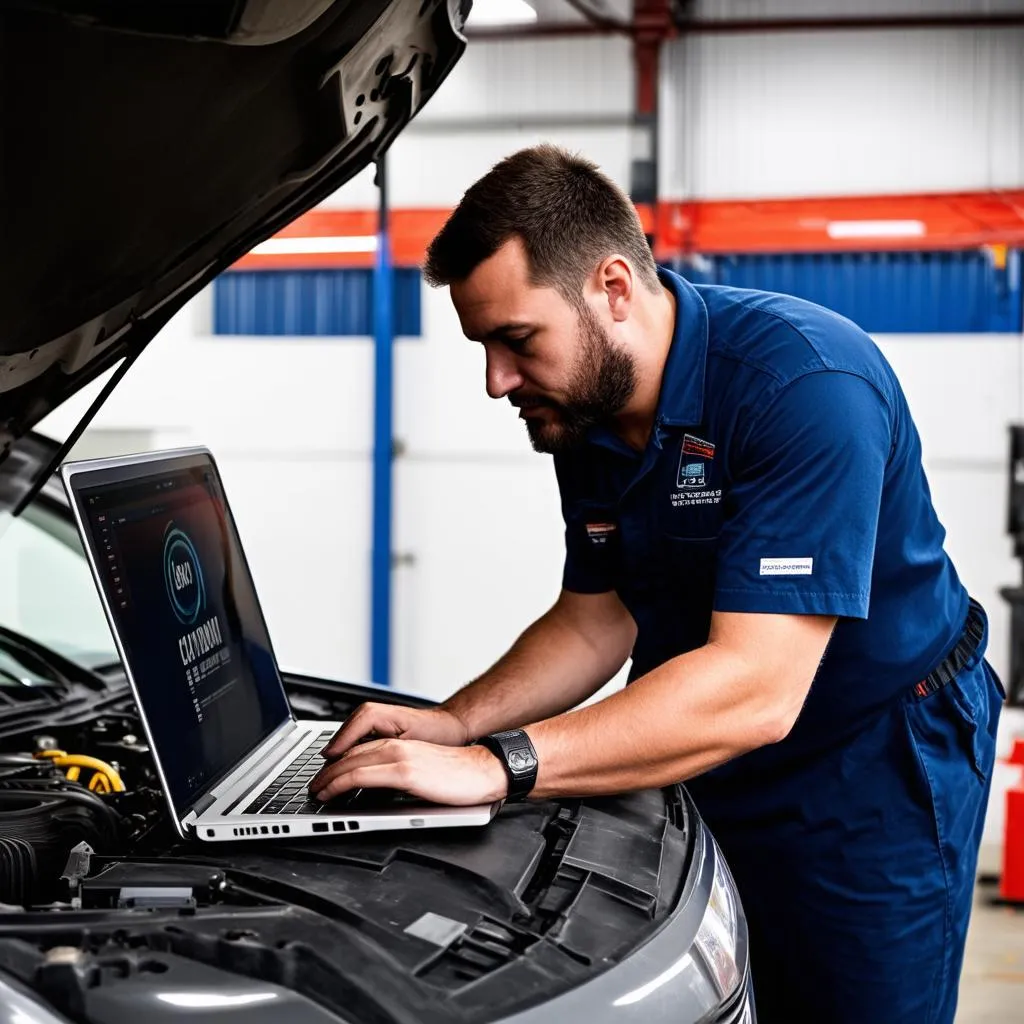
(204, 803)
(255, 765)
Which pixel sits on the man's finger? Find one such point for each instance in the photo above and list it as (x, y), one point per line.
(360, 724)
(373, 752)
(372, 776)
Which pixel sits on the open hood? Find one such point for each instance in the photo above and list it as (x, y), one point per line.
(147, 146)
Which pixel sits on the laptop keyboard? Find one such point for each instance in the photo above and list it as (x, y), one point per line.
(288, 792)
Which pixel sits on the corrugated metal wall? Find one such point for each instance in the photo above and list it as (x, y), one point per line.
(333, 303)
(842, 113)
(911, 292)
(577, 92)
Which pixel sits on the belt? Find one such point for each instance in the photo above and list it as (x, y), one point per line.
(950, 666)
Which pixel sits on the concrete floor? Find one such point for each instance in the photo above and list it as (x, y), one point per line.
(992, 981)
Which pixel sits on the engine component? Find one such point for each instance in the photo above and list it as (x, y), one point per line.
(42, 816)
(153, 885)
(17, 870)
(105, 777)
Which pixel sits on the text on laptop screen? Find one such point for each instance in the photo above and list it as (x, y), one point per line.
(186, 612)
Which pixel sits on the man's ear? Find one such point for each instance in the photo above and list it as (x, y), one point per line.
(615, 282)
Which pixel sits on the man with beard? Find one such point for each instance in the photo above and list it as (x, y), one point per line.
(747, 517)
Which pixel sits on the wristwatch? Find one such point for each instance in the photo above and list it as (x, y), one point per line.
(517, 756)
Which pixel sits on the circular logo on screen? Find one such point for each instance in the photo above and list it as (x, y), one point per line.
(183, 576)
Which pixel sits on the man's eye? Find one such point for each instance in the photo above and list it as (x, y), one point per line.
(518, 344)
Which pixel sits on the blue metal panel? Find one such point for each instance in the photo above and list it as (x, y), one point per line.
(960, 292)
(383, 458)
(329, 303)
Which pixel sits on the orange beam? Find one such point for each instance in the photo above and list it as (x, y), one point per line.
(410, 233)
(949, 221)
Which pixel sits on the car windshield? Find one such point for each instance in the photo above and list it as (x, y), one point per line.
(46, 589)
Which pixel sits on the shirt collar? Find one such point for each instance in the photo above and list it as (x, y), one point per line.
(681, 402)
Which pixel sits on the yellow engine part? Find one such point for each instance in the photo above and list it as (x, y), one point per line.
(105, 778)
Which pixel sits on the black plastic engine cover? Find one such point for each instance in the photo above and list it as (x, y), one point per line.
(458, 924)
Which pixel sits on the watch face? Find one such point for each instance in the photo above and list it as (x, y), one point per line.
(521, 760)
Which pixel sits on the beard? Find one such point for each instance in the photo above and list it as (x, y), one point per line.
(603, 380)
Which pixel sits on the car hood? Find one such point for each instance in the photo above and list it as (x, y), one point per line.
(146, 147)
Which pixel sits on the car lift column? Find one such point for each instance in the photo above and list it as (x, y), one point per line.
(383, 443)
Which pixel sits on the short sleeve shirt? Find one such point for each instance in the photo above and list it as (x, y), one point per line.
(783, 475)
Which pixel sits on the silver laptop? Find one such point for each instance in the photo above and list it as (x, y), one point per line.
(234, 761)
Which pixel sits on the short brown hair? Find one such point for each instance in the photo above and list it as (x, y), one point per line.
(568, 214)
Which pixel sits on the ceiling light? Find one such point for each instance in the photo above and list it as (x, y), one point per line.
(294, 244)
(875, 229)
(500, 12)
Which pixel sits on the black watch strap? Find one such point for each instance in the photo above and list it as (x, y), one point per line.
(515, 751)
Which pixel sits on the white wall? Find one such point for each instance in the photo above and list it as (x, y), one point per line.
(475, 506)
(842, 113)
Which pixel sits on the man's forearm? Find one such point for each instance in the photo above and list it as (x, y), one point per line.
(555, 664)
(686, 717)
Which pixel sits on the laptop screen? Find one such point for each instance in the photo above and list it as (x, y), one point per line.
(186, 613)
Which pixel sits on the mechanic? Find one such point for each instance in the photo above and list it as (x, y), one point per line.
(747, 517)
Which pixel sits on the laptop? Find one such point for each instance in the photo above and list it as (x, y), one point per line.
(234, 761)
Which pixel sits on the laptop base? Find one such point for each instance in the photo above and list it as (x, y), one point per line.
(410, 816)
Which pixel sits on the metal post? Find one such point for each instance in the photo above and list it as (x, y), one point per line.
(383, 337)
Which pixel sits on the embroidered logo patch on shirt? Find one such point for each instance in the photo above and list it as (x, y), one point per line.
(695, 446)
(600, 532)
(691, 474)
(787, 566)
(695, 474)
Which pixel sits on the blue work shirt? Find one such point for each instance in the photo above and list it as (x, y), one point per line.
(783, 475)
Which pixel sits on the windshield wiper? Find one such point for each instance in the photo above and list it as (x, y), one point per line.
(53, 668)
(8, 674)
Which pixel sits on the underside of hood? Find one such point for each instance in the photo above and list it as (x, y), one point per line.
(146, 147)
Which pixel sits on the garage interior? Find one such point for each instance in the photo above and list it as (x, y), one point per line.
(868, 157)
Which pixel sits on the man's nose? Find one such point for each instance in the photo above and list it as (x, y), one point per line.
(502, 375)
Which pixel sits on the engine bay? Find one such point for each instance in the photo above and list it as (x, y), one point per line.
(109, 916)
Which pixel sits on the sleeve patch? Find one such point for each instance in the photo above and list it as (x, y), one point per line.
(787, 566)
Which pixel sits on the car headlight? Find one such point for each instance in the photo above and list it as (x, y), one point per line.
(718, 933)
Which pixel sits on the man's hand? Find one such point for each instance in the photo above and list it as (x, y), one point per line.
(433, 725)
(460, 776)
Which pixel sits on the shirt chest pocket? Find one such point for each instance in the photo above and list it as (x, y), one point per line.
(677, 572)
(686, 570)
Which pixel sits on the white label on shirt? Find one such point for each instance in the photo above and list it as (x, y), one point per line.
(787, 566)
